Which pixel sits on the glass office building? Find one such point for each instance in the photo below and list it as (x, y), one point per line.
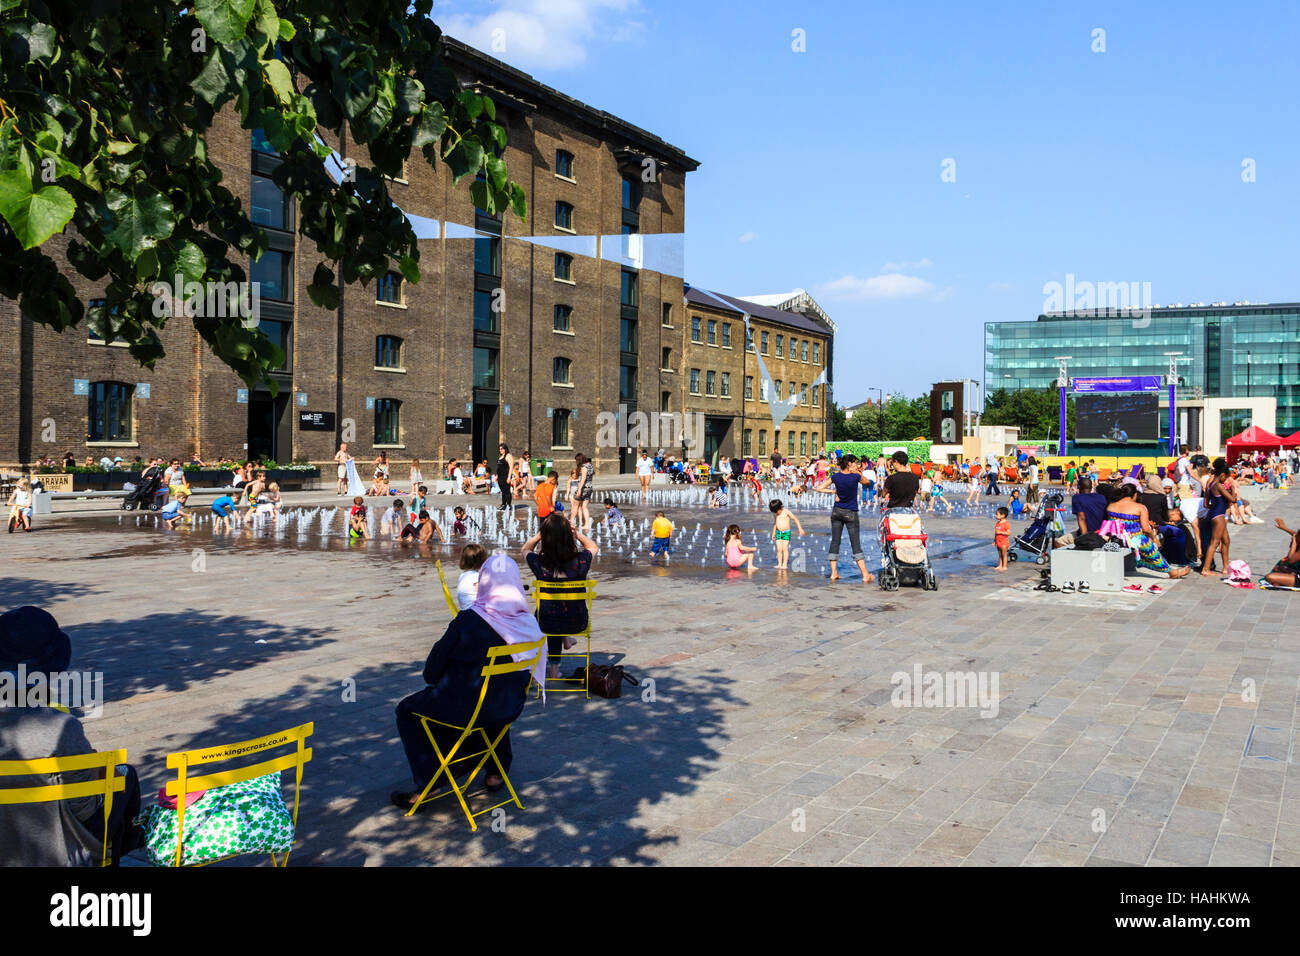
(1238, 350)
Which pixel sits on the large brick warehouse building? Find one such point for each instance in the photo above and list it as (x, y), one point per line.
(517, 331)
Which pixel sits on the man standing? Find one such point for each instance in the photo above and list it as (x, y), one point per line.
(1031, 495)
(341, 458)
(901, 487)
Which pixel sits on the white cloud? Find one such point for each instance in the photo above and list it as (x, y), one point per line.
(749, 237)
(904, 266)
(890, 285)
(543, 33)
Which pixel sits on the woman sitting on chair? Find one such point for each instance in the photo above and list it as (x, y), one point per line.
(499, 615)
(565, 555)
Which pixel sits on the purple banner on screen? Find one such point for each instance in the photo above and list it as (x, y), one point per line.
(1132, 383)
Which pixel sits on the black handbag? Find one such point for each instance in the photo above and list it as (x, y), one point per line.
(605, 680)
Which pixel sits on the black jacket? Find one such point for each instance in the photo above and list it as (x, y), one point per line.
(453, 675)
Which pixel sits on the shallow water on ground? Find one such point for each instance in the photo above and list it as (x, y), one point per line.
(697, 549)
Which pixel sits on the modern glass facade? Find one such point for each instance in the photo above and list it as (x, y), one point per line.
(1234, 350)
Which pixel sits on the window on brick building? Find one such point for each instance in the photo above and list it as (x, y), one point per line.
(388, 351)
(560, 428)
(803, 443)
(563, 318)
(814, 399)
(485, 367)
(665, 401)
(762, 390)
(274, 276)
(789, 442)
(817, 355)
(389, 289)
(563, 215)
(725, 388)
(749, 388)
(666, 361)
(388, 421)
(564, 266)
(762, 342)
(695, 381)
(487, 256)
(726, 335)
(779, 340)
(564, 163)
(695, 328)
(667, 320)
(713, 332)
(747, 448)
(270, 206)
(762, 441)
(561, 369)
(109, 415)
(710, 378)
(803, 350)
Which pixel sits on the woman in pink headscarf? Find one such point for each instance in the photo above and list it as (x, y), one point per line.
(499, 615)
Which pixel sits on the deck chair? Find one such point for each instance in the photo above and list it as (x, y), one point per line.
(584, 590)
(492, 668)
(183, 762)
(446, 591)
(110, 784)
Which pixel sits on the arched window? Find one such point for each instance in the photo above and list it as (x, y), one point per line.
(388, 421)
(561, 370)
(388, 351)
(389, 289)
(564, 266)
(109, 416)
(560, 428)
(564, 163)
(563, 215)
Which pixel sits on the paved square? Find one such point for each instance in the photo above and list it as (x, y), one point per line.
(1141, 729)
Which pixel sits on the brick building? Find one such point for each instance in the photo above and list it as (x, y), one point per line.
(747, 412)
(517, 331)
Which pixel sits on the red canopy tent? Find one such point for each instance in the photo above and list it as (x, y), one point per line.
(1255, 439)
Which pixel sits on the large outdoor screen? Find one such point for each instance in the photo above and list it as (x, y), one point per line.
(1126, 418)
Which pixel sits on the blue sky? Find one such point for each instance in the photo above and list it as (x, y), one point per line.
(822, 169)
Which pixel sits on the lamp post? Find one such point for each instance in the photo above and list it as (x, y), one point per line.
(880, 410)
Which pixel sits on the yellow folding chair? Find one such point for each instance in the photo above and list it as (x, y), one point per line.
(584, 590)
(446, 591)
(183, 762)
(445, 761)
(106, 786)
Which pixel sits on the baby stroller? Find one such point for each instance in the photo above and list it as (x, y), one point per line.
(1048, 525)
(144, 495)
(904, 557)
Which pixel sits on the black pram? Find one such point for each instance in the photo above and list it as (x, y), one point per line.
(145, 495)
(1040, 537)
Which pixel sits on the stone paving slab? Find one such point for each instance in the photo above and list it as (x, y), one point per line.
(1123, 734)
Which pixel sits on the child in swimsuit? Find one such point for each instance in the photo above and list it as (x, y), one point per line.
(781, 532)
(1002, 538)
(357, 520)
(737, 555)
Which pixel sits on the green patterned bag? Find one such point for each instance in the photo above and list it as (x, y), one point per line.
(247, 817)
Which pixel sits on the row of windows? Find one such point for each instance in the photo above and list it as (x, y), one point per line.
(803, 439)
(804, 392)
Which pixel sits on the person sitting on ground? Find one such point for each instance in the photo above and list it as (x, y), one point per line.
(65, 832)
(559, 552)
(1126, 515)
(472, 557)
(1286, 573)
(357, 525)
(1017, 506)
(718, 498)
(453, 675)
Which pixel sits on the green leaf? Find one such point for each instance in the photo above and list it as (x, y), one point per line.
(433, 123)
(281, 81)
(224, 20)
(33, 216)
(496, 171)
(213, 81)
(287, 31)
(191, 262)
(141, 217)
(410, 269)
(322, 289)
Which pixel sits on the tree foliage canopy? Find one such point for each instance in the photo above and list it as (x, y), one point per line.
(105, 109)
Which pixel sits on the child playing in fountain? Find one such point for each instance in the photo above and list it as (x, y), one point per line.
(462, 522)
(174, 511)
(718, 499)
(357, 520)
(662, 529)
(1017, 506)
(393, 519)
(223, 510)
(937, 498)
(1002, 537)
(545, 494)
(781, 532)
(612, 515)
(736, 554)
